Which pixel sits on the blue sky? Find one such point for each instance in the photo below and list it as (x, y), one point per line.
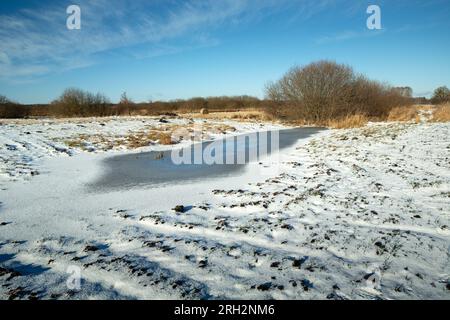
(169, 49)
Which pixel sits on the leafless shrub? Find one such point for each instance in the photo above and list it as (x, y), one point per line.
(125, 106)
(78, 103)
(326, 90)
(4, 100)
(441, 95)
(406, 92)
(12, 110)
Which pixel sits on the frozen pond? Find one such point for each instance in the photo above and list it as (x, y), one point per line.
(158, 168)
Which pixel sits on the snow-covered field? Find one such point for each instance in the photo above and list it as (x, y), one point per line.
(24, 143)
(351, 214)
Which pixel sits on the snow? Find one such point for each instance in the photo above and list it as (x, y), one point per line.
(350, 214)
(24, 143)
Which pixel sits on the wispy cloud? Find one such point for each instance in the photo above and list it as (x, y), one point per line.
(36, 42)
(348, 35)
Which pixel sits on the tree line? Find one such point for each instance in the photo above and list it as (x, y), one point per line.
(316, 92)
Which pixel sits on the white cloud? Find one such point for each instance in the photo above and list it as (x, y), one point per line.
(4, 59)
(35, 42)
(348, 35)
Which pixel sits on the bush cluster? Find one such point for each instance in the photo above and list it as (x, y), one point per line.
(326, 90)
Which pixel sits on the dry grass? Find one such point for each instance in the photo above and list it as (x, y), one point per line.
(167, 135)
(84, 142)
(250, 115)
(163, 135)
(404, 114)
(218, 128)
(144, 139)
(256, 115)
(442, 113)
(354, 121)
(76, 143)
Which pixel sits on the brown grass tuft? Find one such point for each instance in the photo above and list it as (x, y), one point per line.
(353, 121)
(245, 115)
(442, 113)
(405, 113)
(144, 139)
(162, 134)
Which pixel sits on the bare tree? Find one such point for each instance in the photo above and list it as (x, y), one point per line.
(407, 92)
(326, 90)
(4, 100)
(441, 95)
(76, 102)
(125, 105)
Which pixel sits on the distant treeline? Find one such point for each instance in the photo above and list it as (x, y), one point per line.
(317, 92)
(79, 103)
(101, 108)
